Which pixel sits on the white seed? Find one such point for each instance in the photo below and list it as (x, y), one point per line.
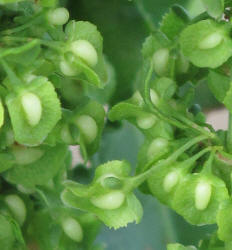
(58, 16)
(32, 107)
(85, 50)
(72, 229)
(160, 61)
(170, 181)
(109, 201)
(137, 98)
(146, 121)
(17, 207)
(154, 97)
(67, 69)
(157, 146)
(210, 41)
(24, 155)
(202, 195)
(88, 127)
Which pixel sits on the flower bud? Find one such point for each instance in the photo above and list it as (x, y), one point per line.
(85, 50)
(146, 121)
(32, 107)
(210, 41)
(72, 229)
(109, 201)
(202, 195)
(88, 127)
(58, 16)
(170, 181)
(160, 61)
(17, 207)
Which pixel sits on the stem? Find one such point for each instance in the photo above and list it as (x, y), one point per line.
(207, 168)
(136, 181)
(229, 134)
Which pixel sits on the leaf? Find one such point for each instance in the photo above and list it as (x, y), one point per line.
(215, 50)
(215, 8)
(41, 171)
(221, 86)
(51, 112)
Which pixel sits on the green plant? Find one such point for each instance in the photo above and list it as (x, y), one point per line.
(55, 81)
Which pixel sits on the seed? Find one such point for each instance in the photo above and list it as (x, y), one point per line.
(154, 97)
(72, 229)
(146, 121)
(67, 69)
(210, 41)
(202, 195)
(170, 181)
(157, 146)
(160, 61)
(109, 201)
(58, 16)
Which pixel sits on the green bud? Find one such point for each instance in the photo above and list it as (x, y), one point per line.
(72, 229)
(160, 61)
(170, 181)
(85, 50)
(211, 41)
(67, 69)
(154, 97)
(88, 127)
(202, 195)
(146, 121)
(109, 201)
(58, 16)
(17, 207)
(32, 107)
(157, 146)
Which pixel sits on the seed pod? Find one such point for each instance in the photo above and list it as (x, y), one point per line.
(110, 201)
(88, 127)
(85, 50)
(72, 229)
(146, 121)
(211, 41)
(17, 207)
(32, 107)
(58, 16)
(160, 61)
(170, 181)
(202, 195)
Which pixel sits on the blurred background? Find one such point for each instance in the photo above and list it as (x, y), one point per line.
(124, 25)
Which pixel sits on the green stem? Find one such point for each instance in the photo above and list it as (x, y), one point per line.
(207, 168)
(136, 181)
(229, 134)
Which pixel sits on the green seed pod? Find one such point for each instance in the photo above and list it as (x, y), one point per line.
(160, 61)
(86, 51)
(109, 201)
(170, 181)
(157, 147)
(58, 16)
(211, 41)
(72, 229)
(146, 121)
(17, 207)
(88, 127)
(202, 195)
(32, 107)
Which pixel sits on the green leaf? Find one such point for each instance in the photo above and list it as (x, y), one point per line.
(215, 8)
(185, 198)
(206, 43)
(177, 246)
(221, 87)
(51, 112)
(40, 171)
(7, 236)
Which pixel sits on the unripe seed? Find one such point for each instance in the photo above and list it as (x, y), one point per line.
(17, 207)
(109, 201)
(72, 229)
(157, 146)
(24, 190)
(58, 16)
(32, 107)
(112, 182)
(202, 195)
(170, 181)
(137, 98)
(210, 41)
(66, 135)
(67, 69)
(160, 61)
(146, 121)
(154, 97)
(85, 50)
(182, 65)
(88, 127)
